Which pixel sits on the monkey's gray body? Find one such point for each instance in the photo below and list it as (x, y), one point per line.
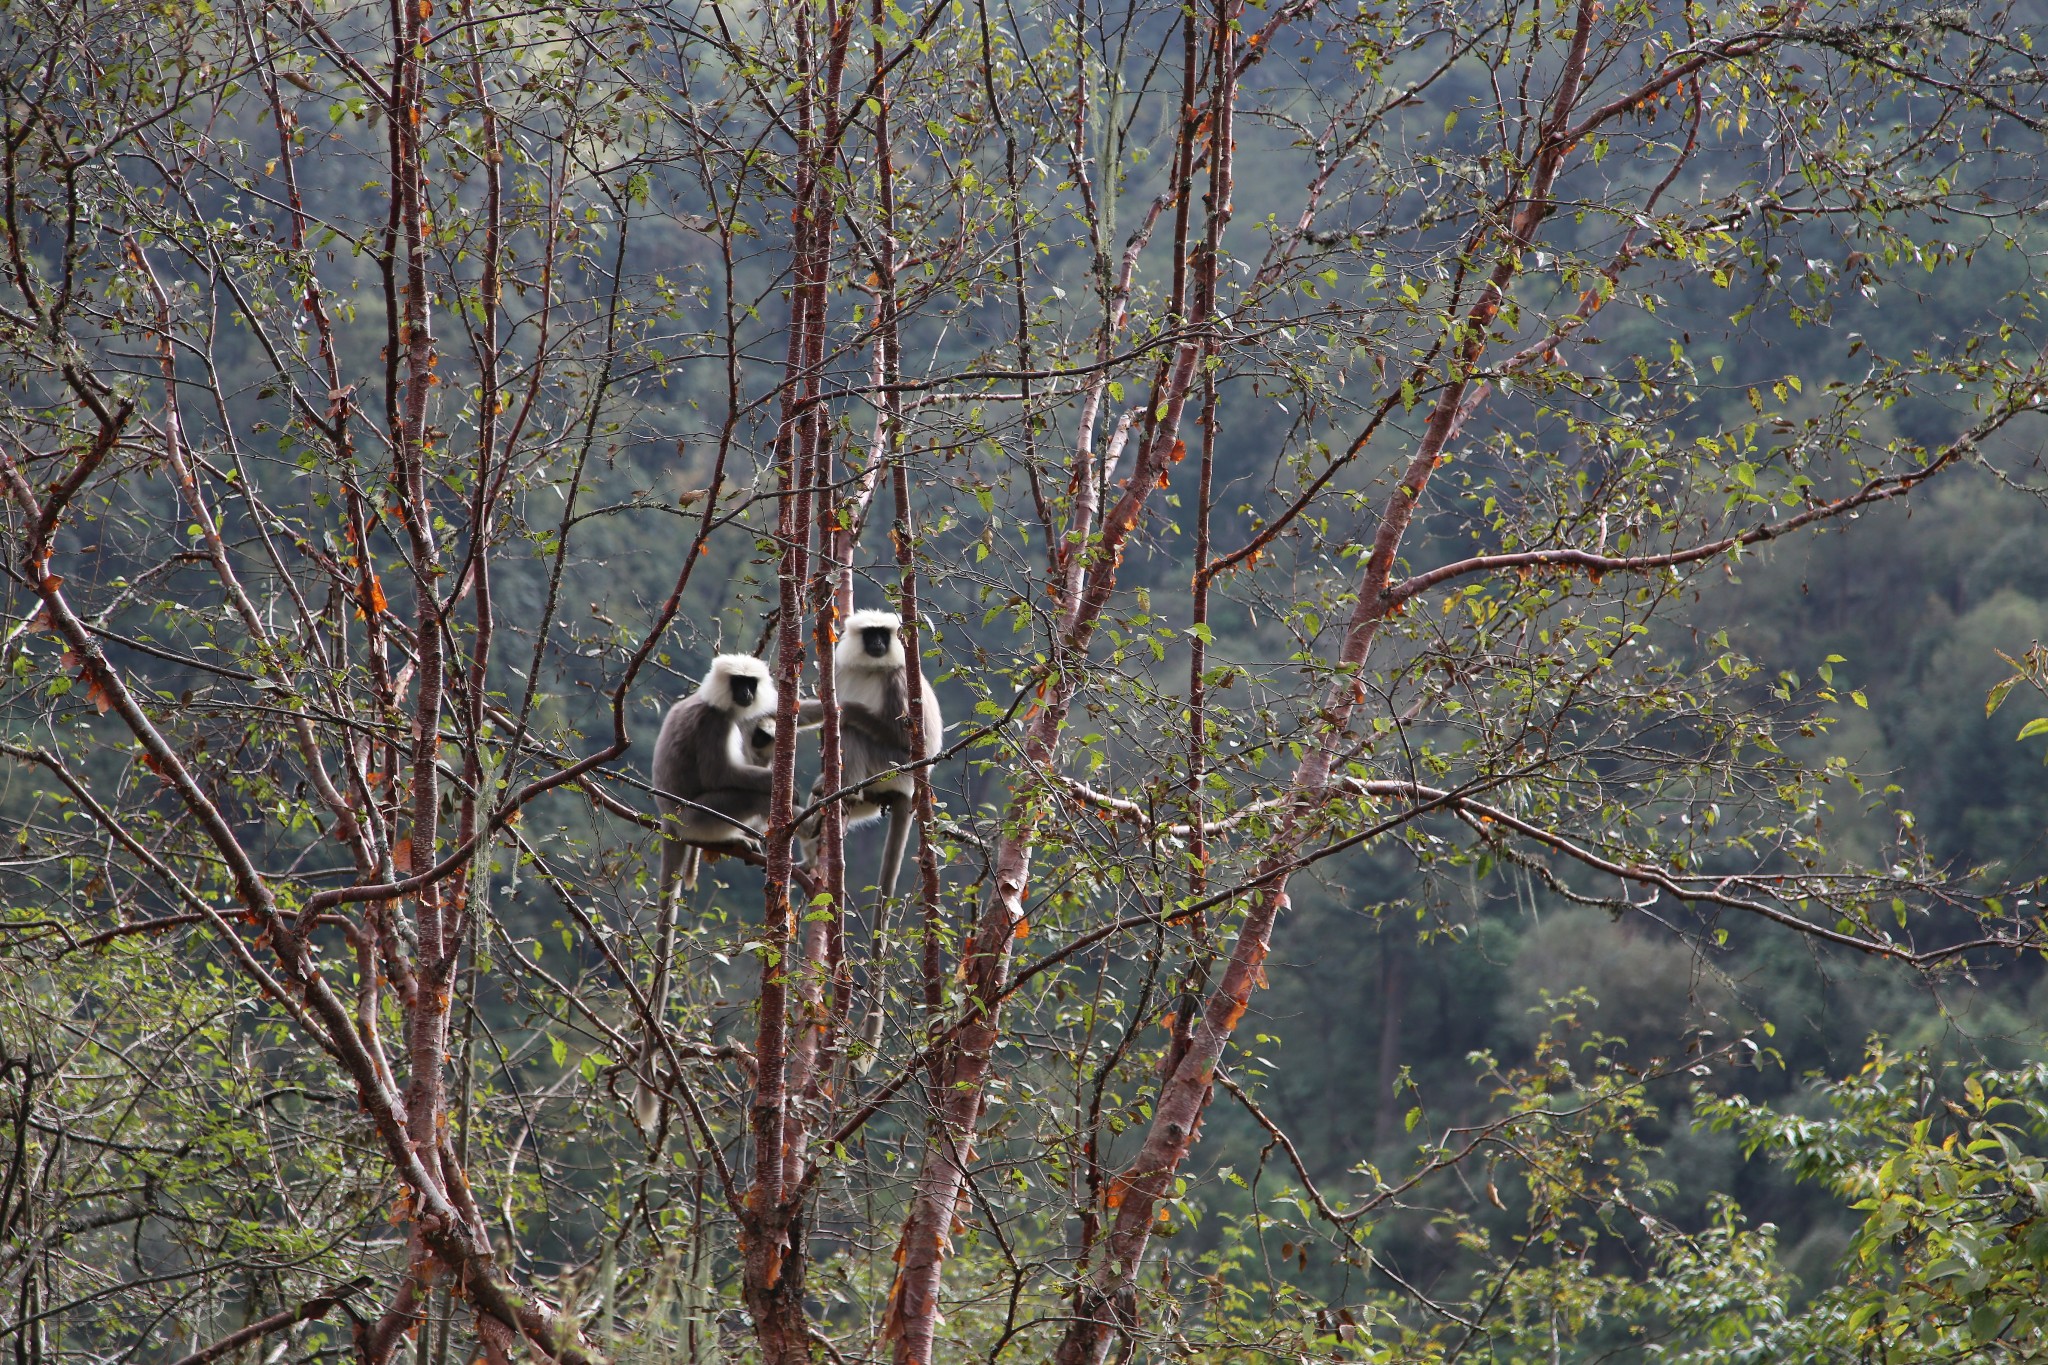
(869, 678)
(874, 737)
(711, 791)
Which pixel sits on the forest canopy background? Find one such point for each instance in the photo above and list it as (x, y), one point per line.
(1482, 561)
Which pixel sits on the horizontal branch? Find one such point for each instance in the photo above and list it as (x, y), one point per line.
(1706, 889)
(277, 1322)
(1875, 491)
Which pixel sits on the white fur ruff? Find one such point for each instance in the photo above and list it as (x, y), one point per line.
(849, 657)
(717, 689)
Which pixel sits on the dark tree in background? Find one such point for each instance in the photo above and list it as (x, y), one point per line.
(1309, 447)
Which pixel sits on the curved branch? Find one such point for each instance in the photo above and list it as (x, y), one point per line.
(308, 1311)
(1875, 491)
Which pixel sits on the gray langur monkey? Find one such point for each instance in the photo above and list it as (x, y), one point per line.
(712, 782)
(873, 689)
(868, 672)
(761, 745)
(711, 778)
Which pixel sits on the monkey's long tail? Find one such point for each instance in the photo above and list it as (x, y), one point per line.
(878, 991)
(647, 1093)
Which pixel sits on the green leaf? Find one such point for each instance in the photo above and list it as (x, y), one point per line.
(2037, 726)
(1995, 698)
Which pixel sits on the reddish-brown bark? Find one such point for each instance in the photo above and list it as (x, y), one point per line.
(1104, 1303)
(959, 1072)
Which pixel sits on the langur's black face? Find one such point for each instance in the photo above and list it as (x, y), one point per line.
(876, 641)
(743, 689)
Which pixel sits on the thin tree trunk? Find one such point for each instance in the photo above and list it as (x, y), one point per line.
(1104, 1304)
(774, 1257)
(960, 1072)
